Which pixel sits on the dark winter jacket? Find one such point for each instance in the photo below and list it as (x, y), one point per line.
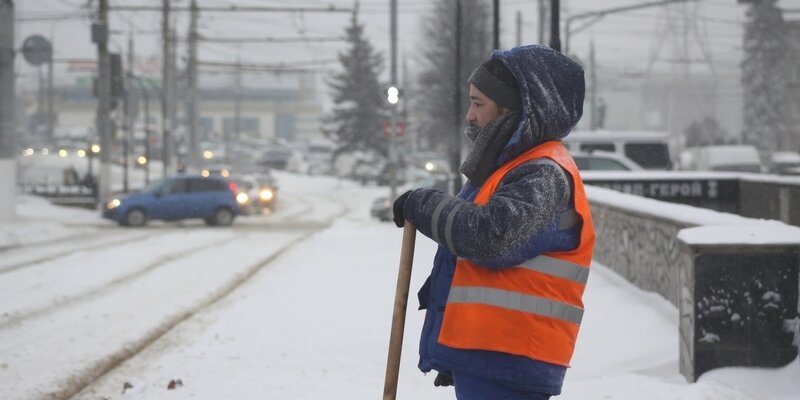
(520, 221)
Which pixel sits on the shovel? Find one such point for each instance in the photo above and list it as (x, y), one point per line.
(399, 315)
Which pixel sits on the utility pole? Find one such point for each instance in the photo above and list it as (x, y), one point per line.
(519, 28)
(555, 38)
(393, 159)
(191, 105)
(146, 97)
(129, 135)
(455, 149)
(8, 165)
(103, 123)
(166, 78)
(593, 88)
(50, 95)
(237, 108)
(173, 87)
(496, 23)
(542, 20)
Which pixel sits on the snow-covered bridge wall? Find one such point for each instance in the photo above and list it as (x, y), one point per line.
(750, 195)
(770, 197)
(734, 279)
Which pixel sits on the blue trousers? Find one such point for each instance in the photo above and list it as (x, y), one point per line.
(471, 387)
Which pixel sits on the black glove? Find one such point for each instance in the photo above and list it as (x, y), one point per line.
(397, 209)
(443, 379)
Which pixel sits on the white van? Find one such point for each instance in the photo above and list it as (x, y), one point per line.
(650, 149)
(734, 158)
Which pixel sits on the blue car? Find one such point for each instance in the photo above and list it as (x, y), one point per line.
(175, 198)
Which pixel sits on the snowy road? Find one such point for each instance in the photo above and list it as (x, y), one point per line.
(292, 305)
(73, 308)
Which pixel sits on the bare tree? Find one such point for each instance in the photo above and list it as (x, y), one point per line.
(434, 96)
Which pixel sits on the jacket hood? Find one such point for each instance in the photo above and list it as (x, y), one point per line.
(552, 88)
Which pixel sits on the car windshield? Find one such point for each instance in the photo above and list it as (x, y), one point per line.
(153, 187)
(649, 155)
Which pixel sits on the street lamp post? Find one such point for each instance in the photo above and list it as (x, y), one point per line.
(164, 129)
(146, 97)
(393, 158)
(93, 150)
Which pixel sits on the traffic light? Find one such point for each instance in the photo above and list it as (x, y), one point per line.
(393, 94)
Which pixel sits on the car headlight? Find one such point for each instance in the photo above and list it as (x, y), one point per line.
(114, 203)
(266, 194)
(242, 198)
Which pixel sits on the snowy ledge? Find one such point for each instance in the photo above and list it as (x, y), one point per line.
(728, 275)
(688, 215)
(754, 235)
(682, 175)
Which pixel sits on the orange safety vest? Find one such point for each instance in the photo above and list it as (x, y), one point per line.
(533, 309)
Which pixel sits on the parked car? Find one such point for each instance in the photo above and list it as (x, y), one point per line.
(604, 161)
(733, 158)
(212, 199)
(382, 209)
(382, 206)
(223, 170)
(785, 163)
(648, 149)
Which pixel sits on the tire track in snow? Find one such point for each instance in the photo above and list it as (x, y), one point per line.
(51, 241)
(103, 243)
(87, 295)
(83, 378)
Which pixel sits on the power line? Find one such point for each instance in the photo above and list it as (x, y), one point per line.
(301, 39)
(283, 65)
(52, 17)
(237, 8)
(228, 71)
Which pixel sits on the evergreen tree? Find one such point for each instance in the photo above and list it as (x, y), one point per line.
(763, 75)
(706, 132)
(434, 96)
(356, 121)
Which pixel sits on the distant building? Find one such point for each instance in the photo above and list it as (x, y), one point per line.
(292, 113)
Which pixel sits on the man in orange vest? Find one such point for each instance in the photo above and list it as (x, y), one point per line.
(503, 302)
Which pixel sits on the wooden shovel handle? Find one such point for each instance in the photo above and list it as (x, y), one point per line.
(399, 314)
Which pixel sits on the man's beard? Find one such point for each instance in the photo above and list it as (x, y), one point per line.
(471, 132)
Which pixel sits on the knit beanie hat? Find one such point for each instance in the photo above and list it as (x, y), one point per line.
(494, 80)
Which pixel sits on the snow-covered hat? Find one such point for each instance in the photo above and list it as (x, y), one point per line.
(494, 80)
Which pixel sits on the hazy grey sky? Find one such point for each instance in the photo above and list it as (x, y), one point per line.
(622, 42)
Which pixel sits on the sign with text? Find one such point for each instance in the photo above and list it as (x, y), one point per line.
(716, 194)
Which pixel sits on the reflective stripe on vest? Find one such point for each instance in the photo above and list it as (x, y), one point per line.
(533, 309)
(516, 301)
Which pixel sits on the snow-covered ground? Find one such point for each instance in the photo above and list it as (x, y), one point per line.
(311, 322)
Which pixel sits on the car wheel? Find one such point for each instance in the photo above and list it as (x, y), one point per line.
(135, 217)
(223, 217)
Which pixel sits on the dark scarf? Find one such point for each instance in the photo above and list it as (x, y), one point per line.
(488, 144)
